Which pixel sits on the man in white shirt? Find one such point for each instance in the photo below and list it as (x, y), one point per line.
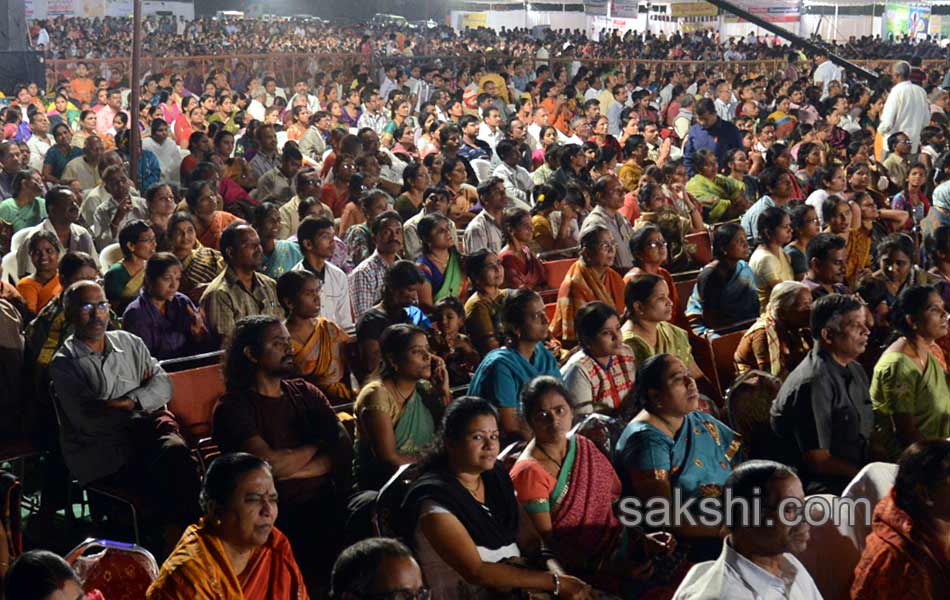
(166, 150)
(315, 236)
(61, 217)
(85, 168)
(756, 560)
(389, 81)
(256, 109)
(489, 130)
(825, 72)
(484, 231)
(614, 126)
(518, 183)
(40, 140)
(540, 119)
(301, 90)
(907, 108)
(373, 116)
(725, 103)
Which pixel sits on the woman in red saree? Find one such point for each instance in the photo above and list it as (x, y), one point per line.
(907, 552)
(234, 552)
(568, 487)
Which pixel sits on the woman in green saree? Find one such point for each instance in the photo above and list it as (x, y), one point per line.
(721, 197)
(125, 278)
(440, 261)
(910, 388)
(396, 414)
(199, 264)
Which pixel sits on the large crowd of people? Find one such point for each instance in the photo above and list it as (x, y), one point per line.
(440, 272)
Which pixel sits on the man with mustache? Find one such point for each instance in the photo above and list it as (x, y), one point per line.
(288, 422)
(110, 395)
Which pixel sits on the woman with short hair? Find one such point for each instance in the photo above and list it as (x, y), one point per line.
(43, 284)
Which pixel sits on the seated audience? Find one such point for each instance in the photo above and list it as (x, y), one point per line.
(601, 374)
(671, 444)
(823, 415)
(590, 278)
(358, 236)
(415, 181)
(725, 292)
(777, 182)
(522, 267)
(62, 213)
(608, 194)
(377, 568)
(568, 488)
(549, 199)
(463, 517)
(449, 341)
(118, 209)
(287, 422)
(897, 268)
(166, 320)
(42, 575)
(656, 209)
(280, 181)
(367, 277)
(440, 261)
(40, 287)
(316, 342)
(770, 265)
(161, 200)
(910, 387)
(905, 555)
(397, 414)
(805, 226)
(826, 265)
(400, 295)
(435, 200)
(109, 396)
(280, 256)
(202, 200)
(758, 552)
(235, 550)
(484, 230)
(721, 198)
(650, 252)
(486, 275)
(239, 290)
(26, 207)
(524, 356)
(308, 186)
(316, 239)
(124, 279)
(199, 264)
(778, 340)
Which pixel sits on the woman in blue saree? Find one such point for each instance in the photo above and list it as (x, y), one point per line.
(280, 256)
(670, 445)
(502, 373)
(440, 261)
(724, 293)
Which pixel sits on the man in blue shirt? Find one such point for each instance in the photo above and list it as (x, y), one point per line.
(711, 133)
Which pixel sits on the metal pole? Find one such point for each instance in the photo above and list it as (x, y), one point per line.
(136, 138)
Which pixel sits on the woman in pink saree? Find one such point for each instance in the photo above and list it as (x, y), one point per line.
(568, 488)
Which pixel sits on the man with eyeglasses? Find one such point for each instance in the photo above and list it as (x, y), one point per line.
(109, 395)
(757, 559)
(896, 163)
(377, 569)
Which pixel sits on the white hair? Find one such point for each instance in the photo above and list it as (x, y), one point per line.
(783, 297)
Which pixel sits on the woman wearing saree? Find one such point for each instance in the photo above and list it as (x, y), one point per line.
(724, 293)
(125, 278)
(722, 198)
(440, 261)
(317, 342)
(590, 278)
(396, 415)
(199, 264)
(522, 267)
(234, 552)
(280, 256)
(671, 445)
(43, 284)
(770, 264)
(897, 269)
(524, 356)
(210, 222)
(486, 275)
(568, 489)
(779, 340)
(910, 388)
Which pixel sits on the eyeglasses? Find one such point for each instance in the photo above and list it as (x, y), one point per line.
(657, 245)
(420, 594)
(813, 220)
(611, 245)
(90, 308)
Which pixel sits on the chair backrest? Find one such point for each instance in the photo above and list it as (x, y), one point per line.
(390, 497)
(482, 168)
(723, 351)
(830, 556)
(110, 255)
(120, 571)
(557, 271)
(872, 483)
(18, 238)
(747, 411)
(194, 394)
(703, 251)
(684, 289)
(9, 267)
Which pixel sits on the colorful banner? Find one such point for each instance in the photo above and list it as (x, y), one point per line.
(900, 20)
(692, 9)
(624, 9)
(773, 11)
(474, 20)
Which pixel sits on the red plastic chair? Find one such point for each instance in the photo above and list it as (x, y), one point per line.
(194, 394)
(120, 571)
